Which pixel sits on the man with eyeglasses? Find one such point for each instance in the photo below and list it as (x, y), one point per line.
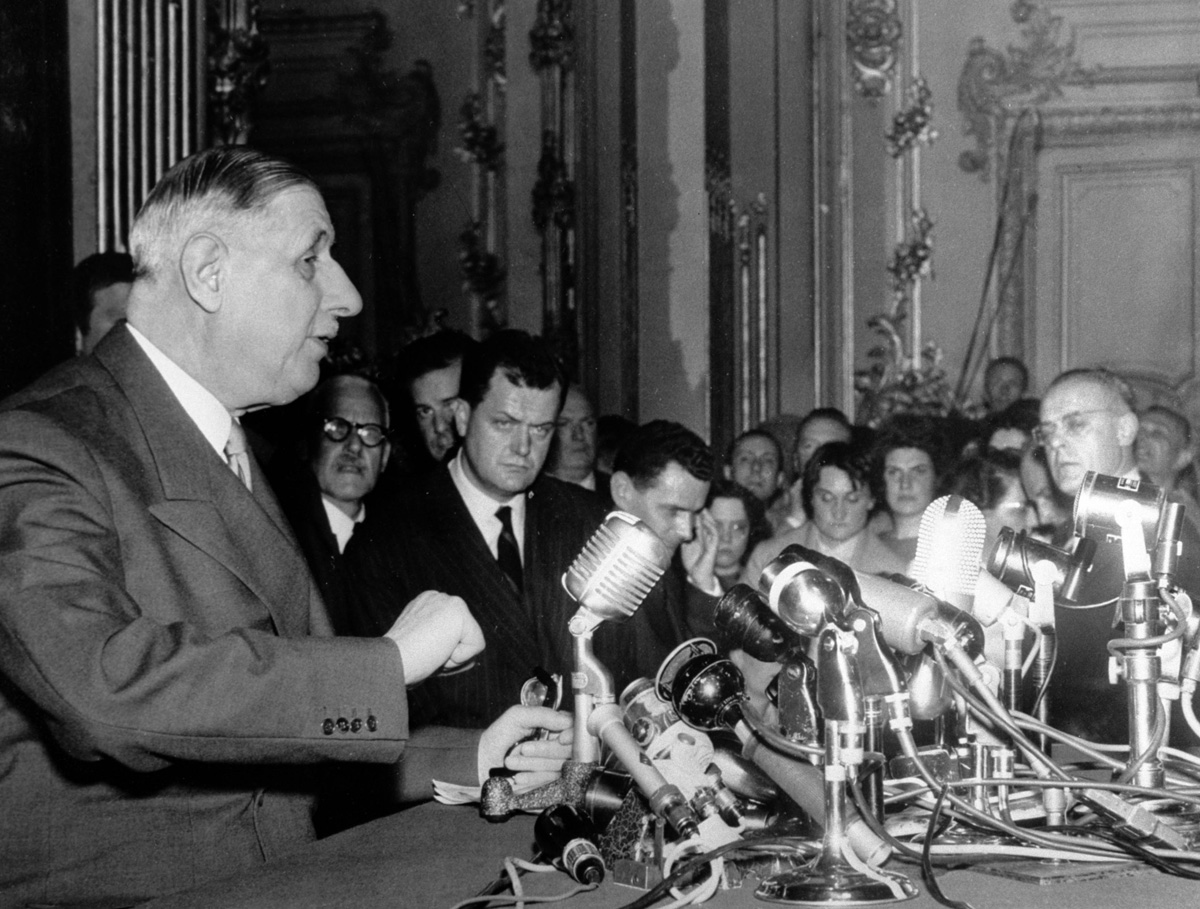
(344, 450)
(1088, 424)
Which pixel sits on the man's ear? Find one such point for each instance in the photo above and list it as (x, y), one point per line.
(202, 262)
(1184, 458)
(729, 471)
(383, 458)
(621, 489)
(1127, 427)
(462, 416)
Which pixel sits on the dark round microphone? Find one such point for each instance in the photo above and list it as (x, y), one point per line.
(745, 622)
(566, 835)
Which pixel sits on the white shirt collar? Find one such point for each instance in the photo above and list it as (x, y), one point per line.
(341, 523)
(209, 414)
(483, 507)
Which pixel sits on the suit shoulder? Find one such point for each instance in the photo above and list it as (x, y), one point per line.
(570, 495)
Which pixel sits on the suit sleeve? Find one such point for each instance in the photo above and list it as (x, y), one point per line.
(147, 684)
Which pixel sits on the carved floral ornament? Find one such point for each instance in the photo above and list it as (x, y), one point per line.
(552, 38)
(1029, 73)
(913, 125)
(873, 31)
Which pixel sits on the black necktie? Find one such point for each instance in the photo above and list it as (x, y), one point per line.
(508, 554)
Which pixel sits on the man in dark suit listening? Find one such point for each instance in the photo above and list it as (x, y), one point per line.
(487, 527)
(345, 448)
(661, 475)
(168, 680)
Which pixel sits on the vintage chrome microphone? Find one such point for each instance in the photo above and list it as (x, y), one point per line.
(1129, 511)
(609, 579)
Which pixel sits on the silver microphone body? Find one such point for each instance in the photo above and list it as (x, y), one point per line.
(950, 550)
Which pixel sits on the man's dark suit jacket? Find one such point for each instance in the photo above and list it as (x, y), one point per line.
(1083, 701)
(300, 498)
(429, 540)
(160, 680)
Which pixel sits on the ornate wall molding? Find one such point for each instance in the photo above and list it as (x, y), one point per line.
(1024, 137)
(481, 132)
(873, 32)
(552, 56)
(552, 38)
(238, 67)
(1032, 72)
(913, 125)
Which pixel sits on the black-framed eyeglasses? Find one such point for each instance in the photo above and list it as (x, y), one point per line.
(337, 429)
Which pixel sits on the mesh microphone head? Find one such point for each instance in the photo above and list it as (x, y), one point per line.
(950, 550)
(617, 568)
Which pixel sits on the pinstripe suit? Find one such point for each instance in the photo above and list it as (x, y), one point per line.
(430, 541)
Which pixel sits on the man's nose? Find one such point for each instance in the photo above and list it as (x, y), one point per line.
(521, 441)
(685, 527)
(341, 298)
(353, 443)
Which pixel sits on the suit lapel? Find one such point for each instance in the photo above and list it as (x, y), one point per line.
(497, 607)
(203, 501)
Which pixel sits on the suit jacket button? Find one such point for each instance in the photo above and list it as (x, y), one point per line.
(355, 724)
(372, 723)
(327, 726)
(343, 724)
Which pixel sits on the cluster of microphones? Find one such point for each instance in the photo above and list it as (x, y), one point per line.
(695, 762)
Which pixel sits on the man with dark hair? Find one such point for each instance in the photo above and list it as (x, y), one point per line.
(431, 372)
(170, 683)
(662, 475)
(488, 528)
(1005, 380)
(100, 287)
(755, 461)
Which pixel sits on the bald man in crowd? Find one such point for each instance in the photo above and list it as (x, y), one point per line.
(1088, 424)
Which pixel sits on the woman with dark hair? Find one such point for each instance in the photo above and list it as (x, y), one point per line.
(992, 480)
(837, 497)
(907, 469)
(741, 523)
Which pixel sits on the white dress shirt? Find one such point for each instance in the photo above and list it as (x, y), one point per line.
(483, 508)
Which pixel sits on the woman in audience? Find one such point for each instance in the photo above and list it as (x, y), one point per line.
(906, 469)
(992, 480)
(1052, 510)
(824, 424)
(741, 525)
(837, 497)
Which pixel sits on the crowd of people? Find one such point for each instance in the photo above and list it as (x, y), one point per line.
(196, 617)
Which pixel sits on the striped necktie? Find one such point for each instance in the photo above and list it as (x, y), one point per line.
(236, 454)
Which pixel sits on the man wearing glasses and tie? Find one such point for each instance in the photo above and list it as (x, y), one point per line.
(1088, 423)
(324, 492)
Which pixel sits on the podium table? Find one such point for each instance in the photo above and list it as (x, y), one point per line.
(432, 856)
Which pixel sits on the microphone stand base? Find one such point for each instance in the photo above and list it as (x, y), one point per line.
(835, 884)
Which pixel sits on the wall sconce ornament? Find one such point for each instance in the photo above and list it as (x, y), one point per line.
(913, 125)
(494, 46)
(480, 140)
(552, 38)
(238, 67)
(894, 381)
(873, 30)
(554, 192)
(484, 275)
(1030, 73)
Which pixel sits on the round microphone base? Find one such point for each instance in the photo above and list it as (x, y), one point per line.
(836, 883)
